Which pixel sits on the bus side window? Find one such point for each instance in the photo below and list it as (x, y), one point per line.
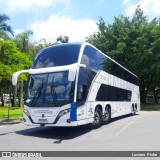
(81, 92)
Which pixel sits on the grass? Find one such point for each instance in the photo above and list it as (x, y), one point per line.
(14, 112)
(150, 107)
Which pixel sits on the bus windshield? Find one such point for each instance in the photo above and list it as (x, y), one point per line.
(49, 90)
(57, 56)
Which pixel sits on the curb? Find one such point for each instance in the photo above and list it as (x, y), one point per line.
(11, 121)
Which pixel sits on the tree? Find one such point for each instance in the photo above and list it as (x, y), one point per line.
(135, 44)
(62, 39)
(11, 60)
(22, 41)
(4, 35)
(3, 24)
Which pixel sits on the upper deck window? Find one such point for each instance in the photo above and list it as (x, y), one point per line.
(96, 60)
(59, 55)
(93, 58)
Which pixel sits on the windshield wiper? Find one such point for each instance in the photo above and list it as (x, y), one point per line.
(53, 92)
(37, 95)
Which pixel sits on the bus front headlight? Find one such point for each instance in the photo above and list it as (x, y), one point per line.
(63, 112)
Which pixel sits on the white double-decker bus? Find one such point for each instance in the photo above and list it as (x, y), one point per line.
(75, 84)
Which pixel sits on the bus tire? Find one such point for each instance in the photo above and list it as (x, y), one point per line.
(133, 112)
(106, 117)
(97, 119)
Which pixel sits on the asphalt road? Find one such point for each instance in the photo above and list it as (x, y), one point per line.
(129, 133)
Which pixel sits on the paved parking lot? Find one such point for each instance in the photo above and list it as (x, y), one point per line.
(129, 133)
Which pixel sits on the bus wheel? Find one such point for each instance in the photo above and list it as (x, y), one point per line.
(106, 116)
(133, 112)
(97, 119)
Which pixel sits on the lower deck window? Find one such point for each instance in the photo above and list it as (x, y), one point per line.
(110, 93)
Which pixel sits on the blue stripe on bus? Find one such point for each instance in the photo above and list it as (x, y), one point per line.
(73, 114)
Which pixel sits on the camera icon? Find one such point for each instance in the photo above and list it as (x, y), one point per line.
(6, 154)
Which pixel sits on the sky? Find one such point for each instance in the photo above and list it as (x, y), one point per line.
(73, 18)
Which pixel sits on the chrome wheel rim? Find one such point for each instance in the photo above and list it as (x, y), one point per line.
(96, 118)
(106, 116)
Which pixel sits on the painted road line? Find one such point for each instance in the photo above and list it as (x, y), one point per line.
(123, 123)
(127, 125)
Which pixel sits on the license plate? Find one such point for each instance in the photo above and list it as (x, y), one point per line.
(42, 121)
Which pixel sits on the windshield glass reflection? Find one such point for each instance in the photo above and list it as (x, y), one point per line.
(49, 90)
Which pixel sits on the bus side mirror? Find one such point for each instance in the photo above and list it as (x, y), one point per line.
(72, 71)
(81, 65)
(72, 74)
(15, 76)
